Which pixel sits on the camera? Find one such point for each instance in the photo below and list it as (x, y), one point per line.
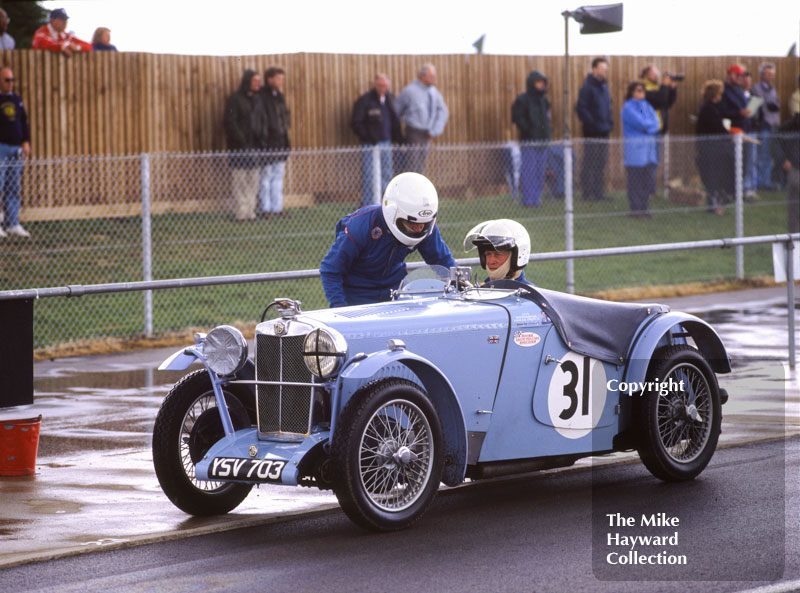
(675, 77)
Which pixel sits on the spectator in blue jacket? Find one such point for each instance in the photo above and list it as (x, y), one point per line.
(640, 126)
(734, 103)
(594, 111)
(367, 259)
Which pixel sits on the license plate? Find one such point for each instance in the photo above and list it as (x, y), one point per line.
(257, 470)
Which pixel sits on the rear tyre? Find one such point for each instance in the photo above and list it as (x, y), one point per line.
(679, 430)
(388, 455)
(186, 427)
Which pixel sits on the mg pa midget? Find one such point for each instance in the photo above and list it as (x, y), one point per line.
(446, 382)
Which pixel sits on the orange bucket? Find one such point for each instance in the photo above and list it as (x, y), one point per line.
(19, 443)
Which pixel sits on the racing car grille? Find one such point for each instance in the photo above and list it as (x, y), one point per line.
(282, 408)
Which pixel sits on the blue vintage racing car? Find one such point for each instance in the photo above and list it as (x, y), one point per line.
(448, 381)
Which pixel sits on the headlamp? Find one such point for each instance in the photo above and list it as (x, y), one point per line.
(323, 353)
(225, 350)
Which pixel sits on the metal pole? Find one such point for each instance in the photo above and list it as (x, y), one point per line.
(738, 172)
(665, 147)
(569, 239)
(376, 175)
(147, 246)
(568, 211)
(789, 247)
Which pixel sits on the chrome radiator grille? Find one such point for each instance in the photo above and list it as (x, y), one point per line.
(282, 408)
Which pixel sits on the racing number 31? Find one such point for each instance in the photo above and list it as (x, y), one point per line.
(576, 395)
(571, 368)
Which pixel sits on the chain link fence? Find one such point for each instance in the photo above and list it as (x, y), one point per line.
(105, 219)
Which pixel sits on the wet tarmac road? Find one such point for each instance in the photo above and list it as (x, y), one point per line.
(95, 485)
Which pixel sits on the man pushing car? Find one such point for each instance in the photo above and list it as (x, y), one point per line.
(367, 259)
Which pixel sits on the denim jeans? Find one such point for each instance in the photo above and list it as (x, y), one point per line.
(749, 164)
(368, 165)
(10, 173)
(531, 178)
(270, 191)
(764, 160)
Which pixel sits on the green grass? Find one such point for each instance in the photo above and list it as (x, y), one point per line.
(188, 245)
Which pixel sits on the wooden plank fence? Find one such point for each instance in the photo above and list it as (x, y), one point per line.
(109, 103)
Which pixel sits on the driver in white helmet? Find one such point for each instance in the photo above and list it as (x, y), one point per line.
(367, 258)
(503, 248)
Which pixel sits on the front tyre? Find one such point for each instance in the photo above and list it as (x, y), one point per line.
(186, 427)
(388, 454)
(679, 427)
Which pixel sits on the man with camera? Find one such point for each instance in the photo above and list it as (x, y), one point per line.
(661, 92)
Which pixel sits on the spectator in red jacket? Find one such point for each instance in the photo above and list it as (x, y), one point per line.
(54, 37)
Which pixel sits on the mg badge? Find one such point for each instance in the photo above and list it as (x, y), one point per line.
(279, 328)
(253, 451)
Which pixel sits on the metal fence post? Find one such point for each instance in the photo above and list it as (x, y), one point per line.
(665, 152)
(147, 245)
(738, 172)
(376, 175)
(789, 249)
(569, 243)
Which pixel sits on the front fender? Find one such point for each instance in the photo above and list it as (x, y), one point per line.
(407, 365)
(649, 338)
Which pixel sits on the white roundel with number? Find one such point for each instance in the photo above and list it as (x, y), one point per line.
(576, 395)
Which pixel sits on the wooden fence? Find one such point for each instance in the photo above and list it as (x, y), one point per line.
(129, 103)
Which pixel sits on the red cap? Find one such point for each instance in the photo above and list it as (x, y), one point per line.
(735, 69)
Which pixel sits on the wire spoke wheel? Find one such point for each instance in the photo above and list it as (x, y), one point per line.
(685, 414)
(388, 455)
(679, 426)
(187, 426)
(395, 461)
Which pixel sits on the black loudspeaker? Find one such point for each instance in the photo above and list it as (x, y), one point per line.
(604, 18)
(16, 353)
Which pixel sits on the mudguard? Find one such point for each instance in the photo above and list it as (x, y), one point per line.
(401, 363)
(650, 336)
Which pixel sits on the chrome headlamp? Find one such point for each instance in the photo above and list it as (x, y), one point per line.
(323, 352)
(225, 350)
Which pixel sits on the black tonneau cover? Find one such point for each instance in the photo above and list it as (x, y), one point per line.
(600, 329)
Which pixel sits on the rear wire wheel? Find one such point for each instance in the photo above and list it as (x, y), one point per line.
(679, 429)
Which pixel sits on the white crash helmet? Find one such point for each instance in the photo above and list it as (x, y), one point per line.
(410, 197)
(501, 235)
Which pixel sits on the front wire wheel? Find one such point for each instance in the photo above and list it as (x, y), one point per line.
(388, 455)
(186, 427)
(680, 425)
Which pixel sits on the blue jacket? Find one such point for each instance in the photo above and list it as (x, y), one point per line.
(639, 128)
(366, 262)
(733, 101)
(594, 108)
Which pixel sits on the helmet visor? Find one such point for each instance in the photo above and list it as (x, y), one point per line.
(415, 230)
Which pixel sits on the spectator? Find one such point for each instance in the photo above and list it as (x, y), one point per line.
(54, 37)
(504, 248)
(765, 121)
(788, 149)
(270, 194)
(594, 111)
(6, 40)
(15, 146)
(531, 113)
(749, 152)
(661, 92)
(794, 100)
(733, 105)
(367, 258)
(423, 110)
(640, 127)
(245, 125)
(376, 124)
(714, 149)
(101, 40)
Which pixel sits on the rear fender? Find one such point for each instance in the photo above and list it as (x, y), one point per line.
(407, 365)
(660, 331)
